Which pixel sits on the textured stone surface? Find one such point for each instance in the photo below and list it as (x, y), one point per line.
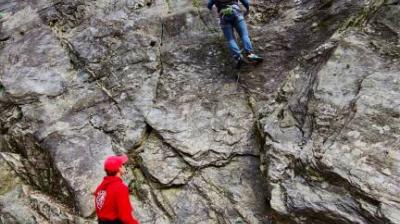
(332, 143)
(20, 203)
(309, 136)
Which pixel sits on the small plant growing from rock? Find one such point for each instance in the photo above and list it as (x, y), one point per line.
(196, 3)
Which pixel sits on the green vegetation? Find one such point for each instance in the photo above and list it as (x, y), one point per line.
(196, 4)
(363, 16)
(8, 179)
(169, 6)
(136, 185)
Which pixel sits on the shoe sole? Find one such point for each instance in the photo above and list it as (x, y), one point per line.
(247, 60)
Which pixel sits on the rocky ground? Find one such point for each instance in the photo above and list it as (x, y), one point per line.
(309, 136)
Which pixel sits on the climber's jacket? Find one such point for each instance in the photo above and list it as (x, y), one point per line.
(112, 202)
(222, 4)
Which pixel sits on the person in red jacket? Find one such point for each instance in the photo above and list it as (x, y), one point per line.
(112, 195)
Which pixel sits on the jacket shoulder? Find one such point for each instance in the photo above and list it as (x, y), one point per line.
(120, 186)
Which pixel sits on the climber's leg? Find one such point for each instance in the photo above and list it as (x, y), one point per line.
(233, 46)
(241, 28)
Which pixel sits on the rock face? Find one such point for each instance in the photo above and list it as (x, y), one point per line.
(332, 142)
(309, 136)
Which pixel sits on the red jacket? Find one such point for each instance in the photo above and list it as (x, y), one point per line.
(112, 201)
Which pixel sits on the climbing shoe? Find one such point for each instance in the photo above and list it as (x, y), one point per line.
(239, 62)
(253, 58)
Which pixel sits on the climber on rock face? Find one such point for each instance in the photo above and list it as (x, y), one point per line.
(231, 16)
(112, 195)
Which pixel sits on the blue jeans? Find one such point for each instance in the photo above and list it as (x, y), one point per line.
(228, 23)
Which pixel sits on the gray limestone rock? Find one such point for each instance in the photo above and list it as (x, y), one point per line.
(333, 161)
(20, 203)
(311, 135)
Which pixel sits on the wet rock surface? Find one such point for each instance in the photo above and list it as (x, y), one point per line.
(309, 136)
